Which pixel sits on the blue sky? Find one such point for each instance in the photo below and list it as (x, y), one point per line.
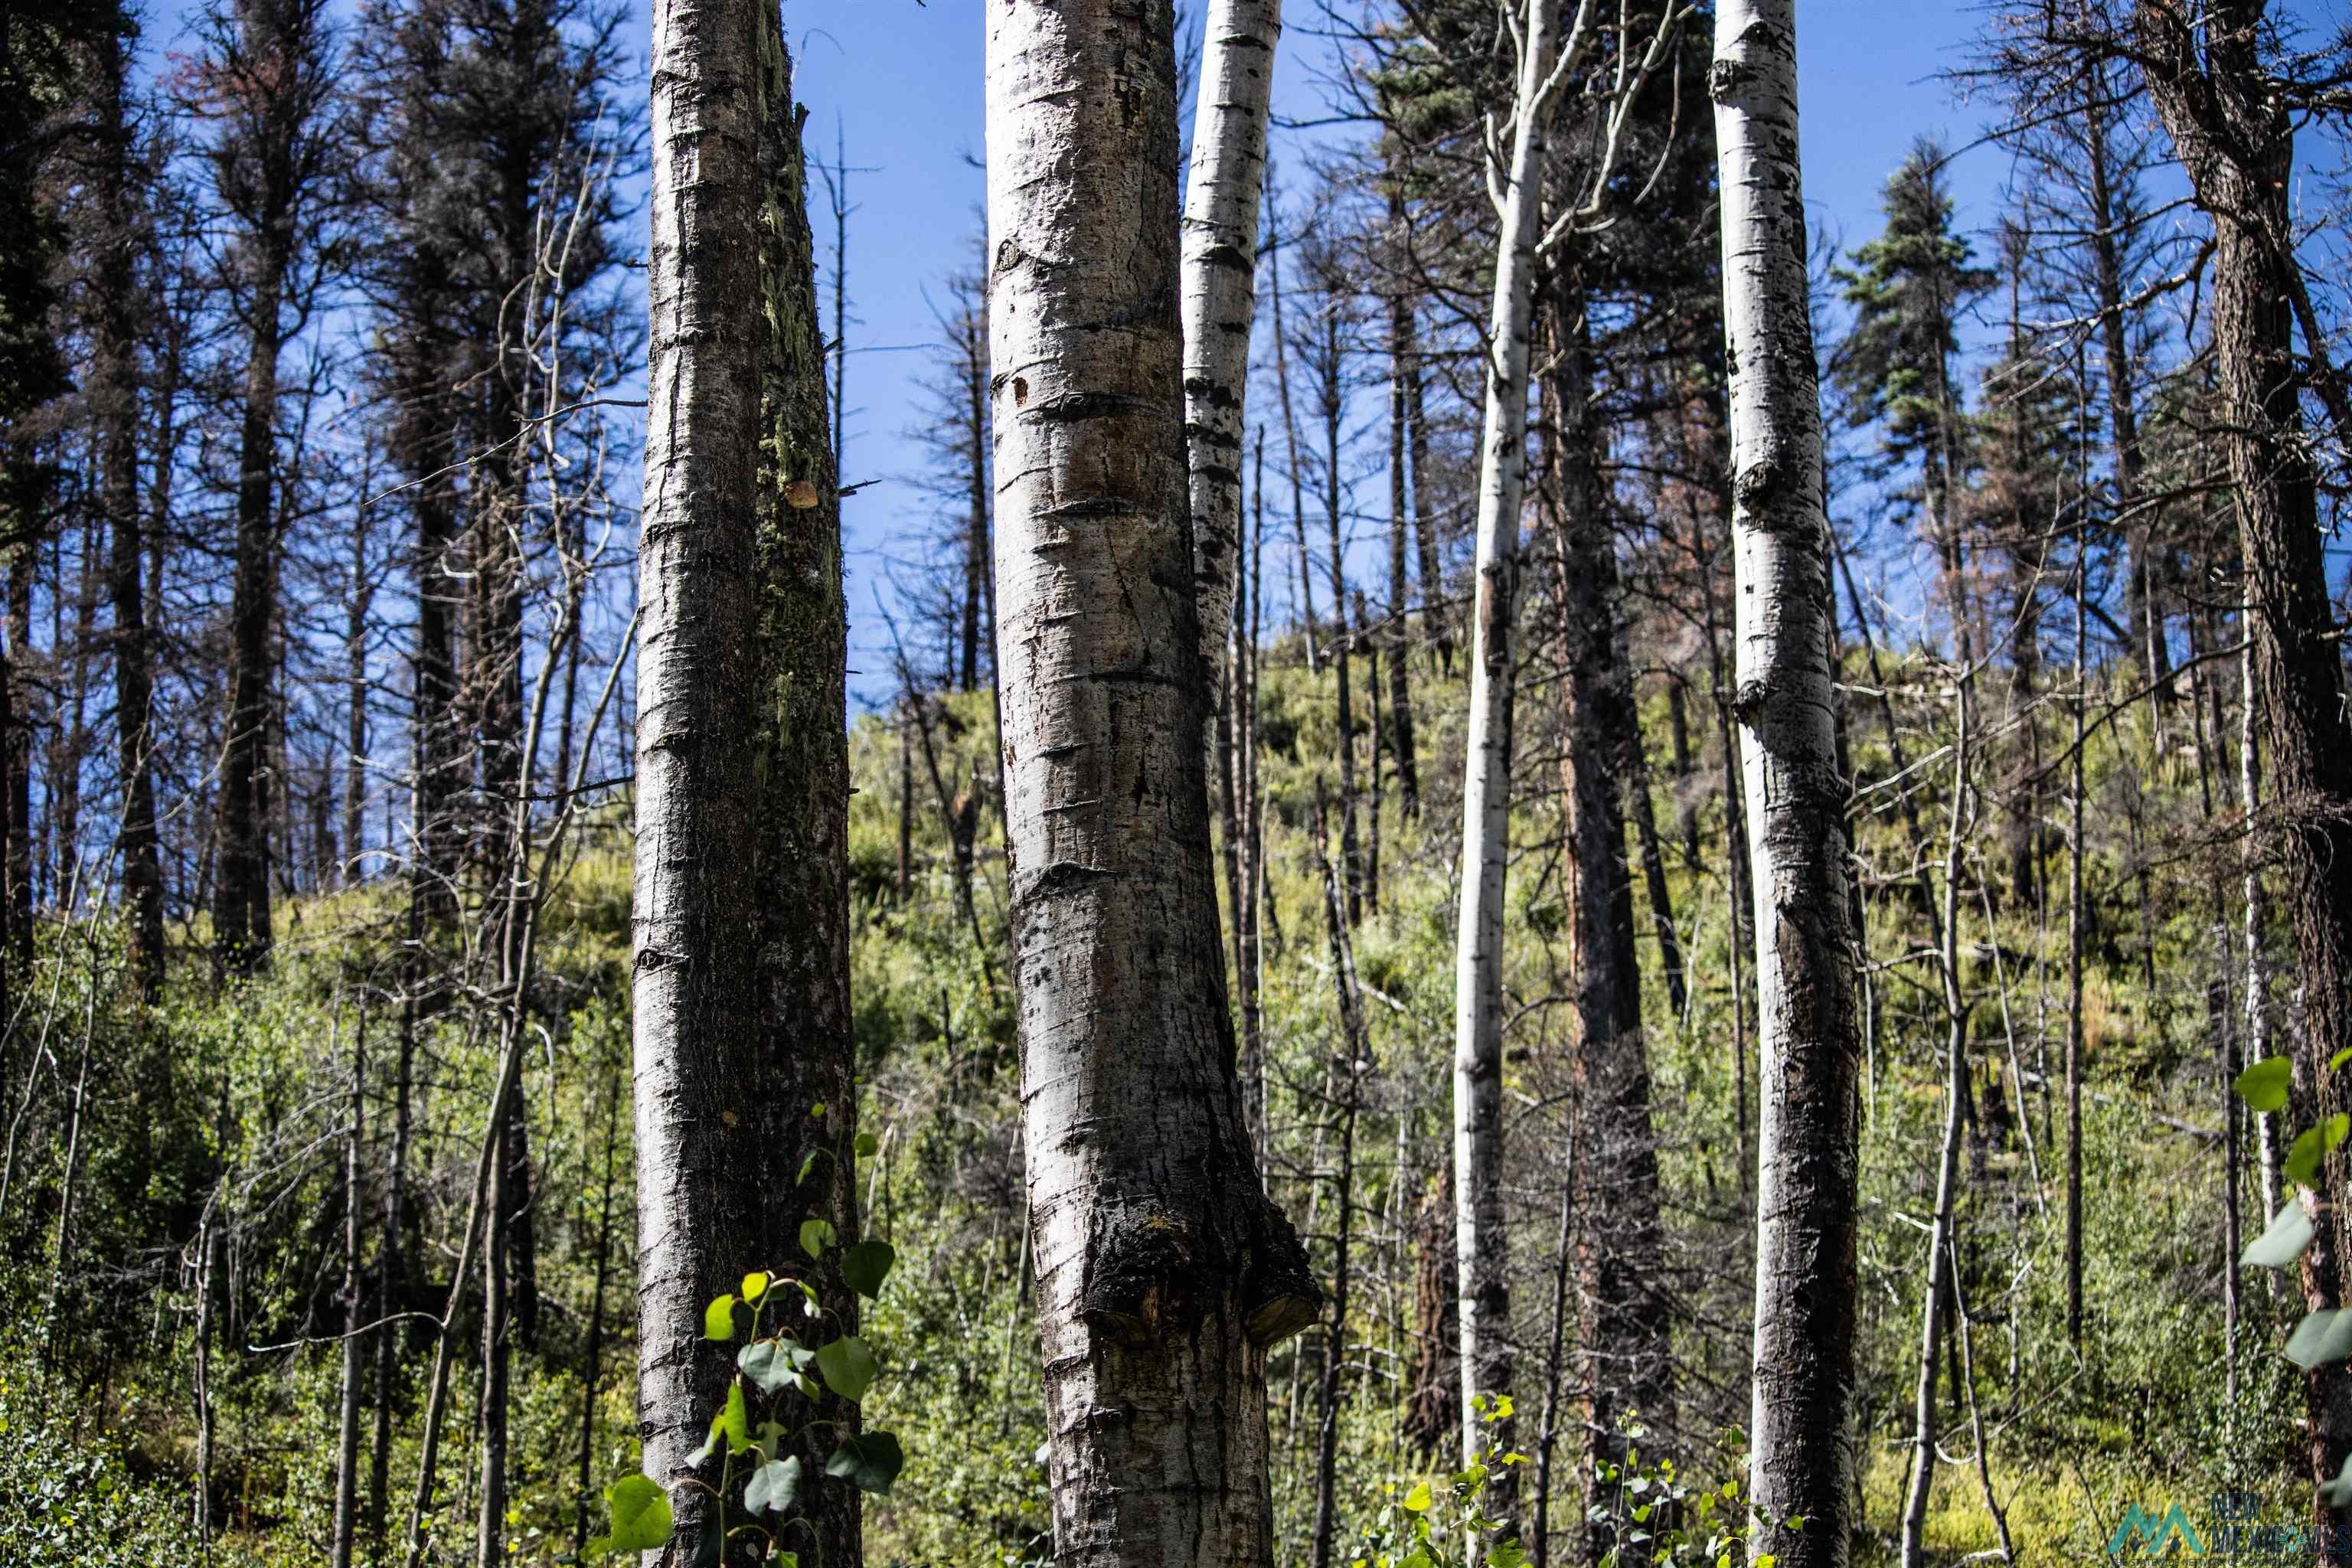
(900, 83)
(904, 83)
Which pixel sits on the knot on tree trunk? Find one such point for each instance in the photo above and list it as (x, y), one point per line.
(1151, 1272)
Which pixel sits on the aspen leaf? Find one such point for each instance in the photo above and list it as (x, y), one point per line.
(2264, 1085)
(2314, 1145)
(2322, 1337)
(641, 1516)
(865, 1266)
(869, 1461)
(847, 1366)
(754, 1287)
(864, 1143)
(718, 1319)
(817, 1234)
(2288, 1234)
(773, 1485)
(1417, 1499)
(734, 1423)
(768, 1365)
(2338, 1492)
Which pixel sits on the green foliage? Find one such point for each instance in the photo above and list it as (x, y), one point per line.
(77, 1499)
(641, 1516)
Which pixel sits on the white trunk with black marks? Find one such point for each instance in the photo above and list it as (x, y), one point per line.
(1808, 1042)
(1164, 1272)
(1220, 284)
(1484, 1282)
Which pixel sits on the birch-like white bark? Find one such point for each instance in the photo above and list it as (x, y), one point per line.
(1808, 1043)
(1164, 1272)
(1220, 281)
(1483, 1282)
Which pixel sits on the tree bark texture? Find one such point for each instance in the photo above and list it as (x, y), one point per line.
(1220, 296)
(1484, 1282)
(1164, 1273)
(1808, 1040)
(741, 920)
(2236, 142)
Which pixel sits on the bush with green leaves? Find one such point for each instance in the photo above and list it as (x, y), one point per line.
(777, 1378)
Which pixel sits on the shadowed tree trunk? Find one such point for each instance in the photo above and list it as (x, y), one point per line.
(1620, 1245)
(2236, 142)
(114, 392)
(742, 911)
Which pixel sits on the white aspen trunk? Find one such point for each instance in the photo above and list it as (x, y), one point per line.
(1220, 284)
(2258, 1043)
(1808, 1055)
(1481, 1258)
(1164, 1272)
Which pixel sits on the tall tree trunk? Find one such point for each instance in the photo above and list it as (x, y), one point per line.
(592, 1351)
(1220, 289)
(241, 928)
(1326, 367)
(1401, 357)
(1479, 1220)
(1348, 1074)
(2075, 932)
(1938, 1282)
(974, 329)
(1620, 1248)
(115, 391)
(742, 916)
(347, 1442)
(2236, 141)
(1809, 1045)
(1164, 1273)
(358, 611)
(2142, 592)
(20, 759)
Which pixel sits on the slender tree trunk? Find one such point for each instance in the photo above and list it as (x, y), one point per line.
(1281, 335)
(2075, 938)
(741, 909)
(1326, 367)
(1164, 1273)
(1653, 872)
(592, 1354)
(1220, 285)
(241, 928)
(974, 330)
(21, 862)
(2257, 978)
(1402, 353)
(391, 1278)
(355, 681)
(1939, 1281)
(490, 1522)
(1620, 1247)
(1348, 1075)
(347, 1443)
(2142, 592)
(1479, 1221)
(115, 391)
(1802, 1457)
